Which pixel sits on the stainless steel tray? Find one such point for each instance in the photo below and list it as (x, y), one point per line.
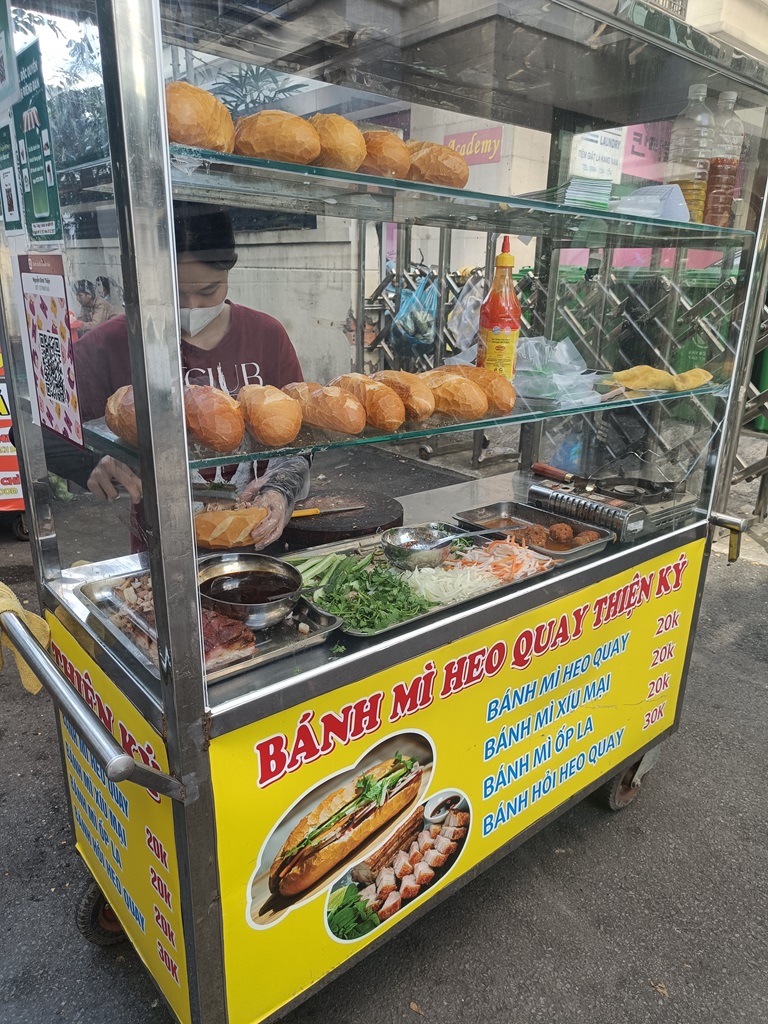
(517, 512)
(363, 545)
(277, 642)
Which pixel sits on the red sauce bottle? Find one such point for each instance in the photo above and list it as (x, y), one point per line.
(500, 319)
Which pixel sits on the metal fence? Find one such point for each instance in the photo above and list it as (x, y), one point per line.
(677, 7)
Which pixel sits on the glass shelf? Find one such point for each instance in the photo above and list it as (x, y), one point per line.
(204, 176)
(99, 438)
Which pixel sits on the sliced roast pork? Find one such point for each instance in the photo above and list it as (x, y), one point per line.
(435, 859)
(369, 895)
(409, 887)
(423, 873)
(425, 841)
(434, 830)
(414, 854)
(385, 882)
(401, 865)
(453, 832)
(446, 846)
(392, 904)
(457, 819)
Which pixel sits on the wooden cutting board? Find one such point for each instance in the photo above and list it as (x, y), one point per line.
(379, 512)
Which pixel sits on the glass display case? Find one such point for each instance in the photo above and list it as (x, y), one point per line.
(312, 764)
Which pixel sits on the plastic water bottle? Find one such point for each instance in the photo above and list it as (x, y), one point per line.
(690, 151)
(724, 165)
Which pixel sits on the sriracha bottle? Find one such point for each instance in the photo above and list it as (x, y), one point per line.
(500, 319)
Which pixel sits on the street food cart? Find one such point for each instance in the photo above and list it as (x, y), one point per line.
(253, 828)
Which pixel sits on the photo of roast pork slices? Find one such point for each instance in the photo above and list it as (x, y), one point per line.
(340, 821)
(413, 858)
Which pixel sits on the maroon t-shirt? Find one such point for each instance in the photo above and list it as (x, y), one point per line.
(255, 350)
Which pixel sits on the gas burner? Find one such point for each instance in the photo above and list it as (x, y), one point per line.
(631, 507)
(644, 492)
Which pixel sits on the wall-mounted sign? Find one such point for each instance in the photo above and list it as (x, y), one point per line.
(598, 155)
(9, 183)
(9, 76)
(50, 344)
(480, 147)
(36, 163)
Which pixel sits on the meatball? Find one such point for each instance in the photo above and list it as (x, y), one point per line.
(585, 537)
(536, 535)
(561, 533)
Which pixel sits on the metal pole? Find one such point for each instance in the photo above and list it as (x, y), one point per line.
(443, 265)
(132, 57)
(750, 329)
(360, 302)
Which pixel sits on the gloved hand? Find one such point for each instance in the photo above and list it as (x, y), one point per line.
(284, 483)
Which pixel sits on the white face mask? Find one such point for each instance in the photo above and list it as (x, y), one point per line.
(195, 320)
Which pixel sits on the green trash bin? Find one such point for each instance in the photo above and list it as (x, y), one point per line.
(760, 380)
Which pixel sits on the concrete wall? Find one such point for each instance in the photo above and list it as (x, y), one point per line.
(743, 23)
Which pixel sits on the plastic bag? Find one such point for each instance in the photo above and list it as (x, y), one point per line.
(554, 370)
(414, 322)
(464, 320)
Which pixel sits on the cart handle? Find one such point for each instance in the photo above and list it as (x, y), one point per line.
(119, 765)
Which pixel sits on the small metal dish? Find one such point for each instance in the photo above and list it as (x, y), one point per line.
(411, 547)
(234, 571)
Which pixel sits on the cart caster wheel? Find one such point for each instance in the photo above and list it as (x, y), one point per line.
(425, 452)
(95, 918)
(619, 792)
(19, 527)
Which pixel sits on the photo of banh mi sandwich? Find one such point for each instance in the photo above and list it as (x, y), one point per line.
(342, 822)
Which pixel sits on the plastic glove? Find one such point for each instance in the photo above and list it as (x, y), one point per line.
(285, 482)
(109, 471)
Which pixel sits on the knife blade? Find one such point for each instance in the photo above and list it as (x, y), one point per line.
(300, 512)
(222, 494)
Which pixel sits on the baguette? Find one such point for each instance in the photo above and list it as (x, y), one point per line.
(120, 415)
(455, 396)
(311, 850)
(417, 398)
(437, 164)
(328, 408)
(214, 418)
(342, 143)
(383, 409)
(271, 416)
(277, 135)
(227, 528)
(197, 118)
(386, 155)
(498, 390)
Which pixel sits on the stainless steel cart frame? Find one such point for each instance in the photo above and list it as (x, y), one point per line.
(178, 704)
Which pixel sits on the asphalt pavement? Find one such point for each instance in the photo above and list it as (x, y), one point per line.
(658, 913)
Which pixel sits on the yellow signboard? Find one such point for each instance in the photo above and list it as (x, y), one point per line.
(351, 810)
(125, 833)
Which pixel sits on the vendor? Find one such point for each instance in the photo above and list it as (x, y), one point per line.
(222, 344)
(94, 309)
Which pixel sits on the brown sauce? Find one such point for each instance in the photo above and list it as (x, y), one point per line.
(445, 806)
(247, 587)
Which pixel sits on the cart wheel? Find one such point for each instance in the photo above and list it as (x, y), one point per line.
(19, 527)
(95, 918)
(424, 452)
(619, 792)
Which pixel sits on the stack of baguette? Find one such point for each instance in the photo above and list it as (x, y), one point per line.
(197, 118)
(349, 404)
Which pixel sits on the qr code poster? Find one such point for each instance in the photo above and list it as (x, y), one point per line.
(50, 343)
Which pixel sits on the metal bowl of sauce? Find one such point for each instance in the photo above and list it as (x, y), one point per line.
(412, 547)
(257, 589)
